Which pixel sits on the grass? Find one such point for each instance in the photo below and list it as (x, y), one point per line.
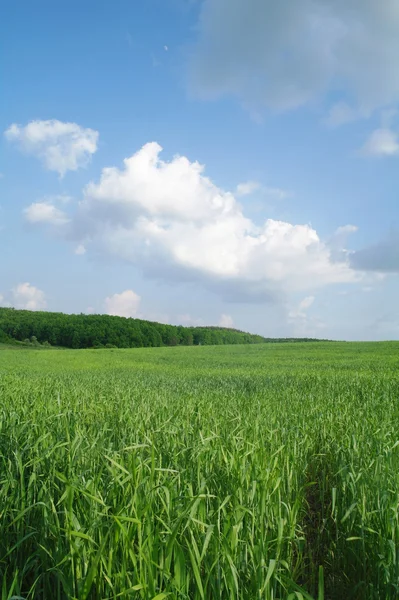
(236, 473)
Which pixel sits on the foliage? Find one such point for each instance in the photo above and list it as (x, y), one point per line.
(96, 331)
(218, 473)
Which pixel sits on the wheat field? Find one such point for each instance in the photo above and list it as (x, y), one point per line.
(234, 472)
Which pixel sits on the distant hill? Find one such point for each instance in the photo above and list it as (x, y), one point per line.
(97, 331)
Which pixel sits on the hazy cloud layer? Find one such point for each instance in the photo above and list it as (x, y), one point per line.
(382, 257)
(285, 54)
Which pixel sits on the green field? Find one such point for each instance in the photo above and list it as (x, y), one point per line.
(230, 472)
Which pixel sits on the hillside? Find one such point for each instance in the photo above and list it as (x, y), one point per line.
(96, 331)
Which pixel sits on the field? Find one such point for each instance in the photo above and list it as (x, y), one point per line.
(232, 472)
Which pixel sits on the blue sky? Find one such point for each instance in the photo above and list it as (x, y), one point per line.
(203, 162)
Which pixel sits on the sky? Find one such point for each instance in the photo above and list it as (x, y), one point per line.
(203, 162)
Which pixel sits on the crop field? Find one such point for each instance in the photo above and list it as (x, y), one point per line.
(200, 473)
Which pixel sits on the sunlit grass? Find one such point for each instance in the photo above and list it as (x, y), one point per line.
(200, 473)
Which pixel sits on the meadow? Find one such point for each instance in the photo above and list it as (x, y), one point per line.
(265, 472)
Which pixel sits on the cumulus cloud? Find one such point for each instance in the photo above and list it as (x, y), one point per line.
(382, 142)
(61, 147)
(125, 304)
(174, 222)
(226, 321)
(29, 297)
(286, 54)
(45, 212)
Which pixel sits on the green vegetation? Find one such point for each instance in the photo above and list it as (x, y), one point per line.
(99, 331)
(233, 473)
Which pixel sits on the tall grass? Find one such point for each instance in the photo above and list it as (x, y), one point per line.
(232, 473)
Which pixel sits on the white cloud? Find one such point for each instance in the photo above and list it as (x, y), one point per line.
(226, 321)
(247, 187)
(303, 324)
(125, 304)
(60, 146)
(306, 303)
(80, 250)
(45, 212)
(346, 229)
(28, 297)
(174, 222)
(188, 321)
(382, 142)
(286, 54)
(300, 311)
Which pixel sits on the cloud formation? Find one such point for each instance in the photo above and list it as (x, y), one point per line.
(303, 324)
(61, 147)
(80, 250)
(45, 212)
(189, 321)
(125, 304)
(226, 321)
(285, 54)
(382, 142)
(247, 187)
(28, 297)
(299, 312)
(174, 222)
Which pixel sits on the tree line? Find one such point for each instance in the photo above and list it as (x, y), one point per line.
(98, 331)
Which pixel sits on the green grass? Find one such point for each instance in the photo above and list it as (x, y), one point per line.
(236, 473)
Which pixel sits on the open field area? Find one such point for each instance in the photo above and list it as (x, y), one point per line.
(229, 472)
